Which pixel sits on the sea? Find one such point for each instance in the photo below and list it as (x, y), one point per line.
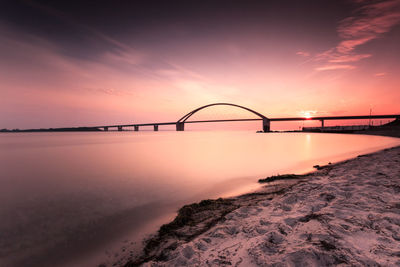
(91, 198)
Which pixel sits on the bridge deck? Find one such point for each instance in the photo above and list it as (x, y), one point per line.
(392, 116)
(156, 124)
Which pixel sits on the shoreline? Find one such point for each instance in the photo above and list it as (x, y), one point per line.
(195, 221)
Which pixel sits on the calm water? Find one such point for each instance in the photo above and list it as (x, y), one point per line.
(83, 198)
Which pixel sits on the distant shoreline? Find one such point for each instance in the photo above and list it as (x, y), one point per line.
(72, 129)
(210, 225)
(391, 129)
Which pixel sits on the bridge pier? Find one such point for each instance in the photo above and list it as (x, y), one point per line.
(155, 127)
(105, 128)
(266, 125)
(322, 125)
(136, 127)
(119, 128)
(180, 126)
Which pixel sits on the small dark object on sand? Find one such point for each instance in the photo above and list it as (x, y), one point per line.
(317, 167)
(280, 177)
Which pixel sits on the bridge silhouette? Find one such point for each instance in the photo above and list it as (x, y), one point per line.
(180, 124)
(266, 122)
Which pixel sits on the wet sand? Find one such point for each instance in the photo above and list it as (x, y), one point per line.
(346, 213)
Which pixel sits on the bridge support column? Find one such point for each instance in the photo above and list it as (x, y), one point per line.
(136, 127)
(266, 125)
(180, 126)
(155, 127)
(105, 128)
(119, 128)
(322, 125)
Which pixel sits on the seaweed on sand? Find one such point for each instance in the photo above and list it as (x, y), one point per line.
(281, 177)
(191, 221)
(193, 214)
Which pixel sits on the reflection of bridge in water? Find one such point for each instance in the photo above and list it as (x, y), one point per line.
(266, 122)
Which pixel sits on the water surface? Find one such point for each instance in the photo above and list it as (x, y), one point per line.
(83, 199)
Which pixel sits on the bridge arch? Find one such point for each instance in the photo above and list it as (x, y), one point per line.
(180, 123)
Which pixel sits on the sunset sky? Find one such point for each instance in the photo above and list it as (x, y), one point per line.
(70, 63)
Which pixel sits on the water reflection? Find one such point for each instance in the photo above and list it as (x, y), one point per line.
(58, 190)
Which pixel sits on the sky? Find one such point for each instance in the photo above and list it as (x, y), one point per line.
(83, 63)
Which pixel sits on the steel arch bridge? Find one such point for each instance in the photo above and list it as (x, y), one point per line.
(180, 124)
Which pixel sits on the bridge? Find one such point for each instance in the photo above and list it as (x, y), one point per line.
(180, 124)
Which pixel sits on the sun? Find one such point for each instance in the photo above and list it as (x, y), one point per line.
(308, 114)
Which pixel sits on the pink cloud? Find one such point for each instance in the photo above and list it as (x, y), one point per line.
(370, 22)
(380, 74)
(303, 53)
(349, 58)
(367, 26)
(335, 67)
(347, 46)
(110, 91)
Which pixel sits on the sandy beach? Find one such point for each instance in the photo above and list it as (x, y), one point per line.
(346, 213)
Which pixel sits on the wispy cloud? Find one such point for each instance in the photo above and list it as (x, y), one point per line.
(335, 67)
(347, 46)
(110, 91)
(369, 22)
(380, 74)
(191, 82)
(372, 21)
(349, 58)
(303, 53)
